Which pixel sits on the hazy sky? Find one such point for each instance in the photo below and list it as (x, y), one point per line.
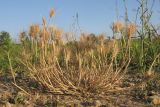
(94, 15)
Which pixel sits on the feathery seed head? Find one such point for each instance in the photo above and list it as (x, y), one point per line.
(34, 30)
(57, 33)
(44, 21)
(131, 29)
(101, 38)
(44, 34)
(52, 13)
(118, 26)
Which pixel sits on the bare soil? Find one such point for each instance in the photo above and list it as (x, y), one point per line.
(134, 90)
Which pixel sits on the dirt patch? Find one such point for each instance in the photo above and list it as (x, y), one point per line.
(133, 91)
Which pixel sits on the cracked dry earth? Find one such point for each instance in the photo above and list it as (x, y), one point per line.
(134, 91)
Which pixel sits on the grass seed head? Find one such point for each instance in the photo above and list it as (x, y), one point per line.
(131, 29)
(34, 30)
(118, 26)
(52, 13)
(44, 21)
(101, 37)
(44, 35)
(57, 33)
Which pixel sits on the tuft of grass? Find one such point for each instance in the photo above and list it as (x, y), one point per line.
(76, 67)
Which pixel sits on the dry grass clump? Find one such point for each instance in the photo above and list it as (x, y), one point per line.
(85, 66)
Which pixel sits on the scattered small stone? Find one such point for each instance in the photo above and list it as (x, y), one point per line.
(87, 103)
(30, 105)
(149, 74)
(98, 103)
(7, 104)
(155, 99)
(18, 105)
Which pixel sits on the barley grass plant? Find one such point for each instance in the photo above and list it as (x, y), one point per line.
(88, 65)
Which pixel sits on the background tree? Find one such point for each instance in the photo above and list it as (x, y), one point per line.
(5, 40)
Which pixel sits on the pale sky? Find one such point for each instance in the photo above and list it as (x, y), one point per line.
(95, 16)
